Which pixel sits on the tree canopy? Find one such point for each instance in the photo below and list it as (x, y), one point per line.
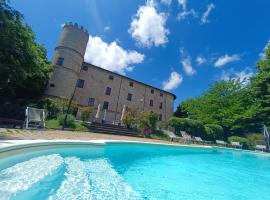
(260, 85)
(237, 107)
(24, 68)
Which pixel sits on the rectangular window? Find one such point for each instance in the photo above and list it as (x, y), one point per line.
(52, 85)
(108, 91)
(152, 91)
(131, 84)
(129, 97)
(160, 117)
(91, 102)
(80, 83)
(84, 68)
(161, 94)
(105, 105)
(151, 103)
(60, 61)
(111, 77)
(160, 105)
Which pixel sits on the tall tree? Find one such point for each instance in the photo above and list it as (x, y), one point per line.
(226, 103)
(261, 87)
(180, 112)
(24, 68)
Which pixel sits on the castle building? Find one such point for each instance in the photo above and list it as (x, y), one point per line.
(97, 87)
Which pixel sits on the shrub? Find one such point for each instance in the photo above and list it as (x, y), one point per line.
(241, 140)
(237, 139)
(63, 102)
(85, 113)
(193, 127)
(148, 120)
(52, 108)
(252, 138)
(57, 106)
(213, 132)
(130, 117)
(70, 122)
(153, 118)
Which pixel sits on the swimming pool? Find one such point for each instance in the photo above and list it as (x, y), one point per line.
(133, 171)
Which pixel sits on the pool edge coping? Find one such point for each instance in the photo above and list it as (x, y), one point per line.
(20, 144)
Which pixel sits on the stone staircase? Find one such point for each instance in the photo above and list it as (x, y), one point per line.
(112, 129)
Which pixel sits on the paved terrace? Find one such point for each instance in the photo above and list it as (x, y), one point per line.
(10, 137)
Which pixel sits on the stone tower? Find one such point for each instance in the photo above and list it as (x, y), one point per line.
(67, 60)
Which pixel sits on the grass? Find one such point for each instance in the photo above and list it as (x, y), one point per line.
(80, 126)
(54, 124)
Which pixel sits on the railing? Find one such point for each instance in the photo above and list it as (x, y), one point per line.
(266, 137)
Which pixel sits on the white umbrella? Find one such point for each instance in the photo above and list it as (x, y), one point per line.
(105, 112)
(123, 112)
(98, 111)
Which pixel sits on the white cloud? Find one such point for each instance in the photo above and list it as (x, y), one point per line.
(205, 15)
(262, 54)
(148, 26)
(243, 76)
(173, 82)
(185, 13)
(223, 60)
(166, 2)
(183, 4)
(186, 62)
(107, 28)
(111, 56)
(200, 60)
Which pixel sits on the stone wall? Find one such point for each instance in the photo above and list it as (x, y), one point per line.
(71, 47)
(97, 80)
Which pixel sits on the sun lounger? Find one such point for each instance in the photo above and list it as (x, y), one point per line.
(186, 136)
(171, 135)
(198, 140)
(221, 142)
(236, 144)
(260, 147)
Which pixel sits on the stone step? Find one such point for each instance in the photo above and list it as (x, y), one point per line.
(93, 179)
(24, 175)
(114, 132)
(110, 127)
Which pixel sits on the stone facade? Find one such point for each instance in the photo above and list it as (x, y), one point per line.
(96, 85)
(67, 60)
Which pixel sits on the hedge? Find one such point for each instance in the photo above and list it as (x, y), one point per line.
(196, 128)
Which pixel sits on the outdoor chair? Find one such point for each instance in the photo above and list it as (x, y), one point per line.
(260, 147)
(171, 135)
(236, 144)
(198, 140)
(34, 118)
(186, 136)
(221, 142)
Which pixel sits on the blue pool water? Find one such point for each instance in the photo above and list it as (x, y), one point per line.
(134, 171)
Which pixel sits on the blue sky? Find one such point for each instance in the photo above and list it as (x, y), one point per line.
(182, 46)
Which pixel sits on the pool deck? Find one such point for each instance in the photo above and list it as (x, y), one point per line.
(12, 138)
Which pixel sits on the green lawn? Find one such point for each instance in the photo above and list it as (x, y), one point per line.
(54, 124)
